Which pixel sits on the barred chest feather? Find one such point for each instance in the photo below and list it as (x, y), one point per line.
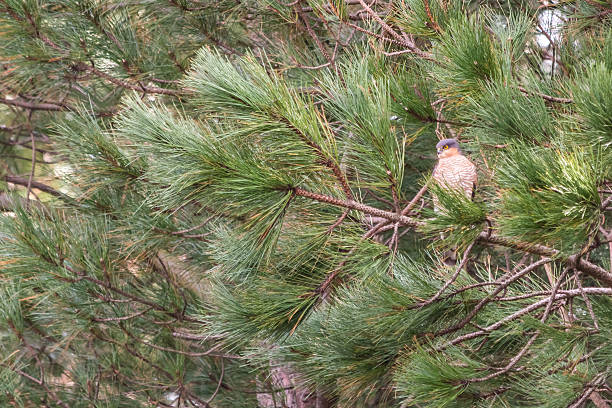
(456, 172)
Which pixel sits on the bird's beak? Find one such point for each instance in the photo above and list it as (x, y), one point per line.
(439, 152)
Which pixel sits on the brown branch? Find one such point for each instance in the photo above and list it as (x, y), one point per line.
(190, 336)
(452, 279)
(31, 21)
(533, 338)
(35, 352)
(570, 367)
(394, 34)
(184, 231)
(127, 85)
(587, 267)
(118, 319)
(11, 203)
(214, 394)
(315, 38)
(483, 302)
(434, 25)
(328, 162)
(586, 299)
(322, 289)
(32, 169)
(545, 97)
(599, 402)
(338, 221)
(608, 237)
(33, 106)
(25, 375)
(524, 311)
(378, 198)
(485, 237)
(35, 184)
(210, 352)
(510, 364)
(81, 275)
(416, 198)
(394, 53)
(126, 346)
(373, 34)
(590, 388)
(354, 205)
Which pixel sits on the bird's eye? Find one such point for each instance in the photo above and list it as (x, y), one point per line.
(445, 146)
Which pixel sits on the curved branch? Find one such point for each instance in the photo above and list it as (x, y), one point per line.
(35, 184)
(484, 237)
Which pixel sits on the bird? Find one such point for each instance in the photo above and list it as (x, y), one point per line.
(454, 170)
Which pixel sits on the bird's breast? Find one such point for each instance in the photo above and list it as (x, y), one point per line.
(454, 170)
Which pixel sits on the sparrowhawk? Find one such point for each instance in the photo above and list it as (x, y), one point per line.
(454, 170)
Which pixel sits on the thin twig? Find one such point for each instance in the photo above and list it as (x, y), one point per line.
(394, 34)
(218, 384)
(184, 231)
(37, 185)
(563, 295)
(502, 285)
(127, 85)
(121, 318)
(452, 279)
(32, 106)
(531, 340)
(315, 38)
(586, 299)
(338, 221)
(590, 388)
(29, 187)
(415, 199)
(608, 236)
(545, 97)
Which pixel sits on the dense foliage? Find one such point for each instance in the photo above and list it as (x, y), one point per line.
(229, 204)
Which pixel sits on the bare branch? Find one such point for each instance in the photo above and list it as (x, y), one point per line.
(452, 279)
(29, 186)
(545, 97)
(35, 184)
(127, 85)
(33, 106)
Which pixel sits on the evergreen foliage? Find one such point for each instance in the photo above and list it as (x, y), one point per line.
(230, 204)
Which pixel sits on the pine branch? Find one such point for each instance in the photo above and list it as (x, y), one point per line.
(485, 237)
(545, 97)
(37, 185)
(528, 309)
(590, 388)
(327, 161)
(531, 340)
(415, 50)
(124, 84)
(83, 276)
(33, 106)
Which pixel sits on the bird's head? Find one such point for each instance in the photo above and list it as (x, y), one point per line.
(448, 148)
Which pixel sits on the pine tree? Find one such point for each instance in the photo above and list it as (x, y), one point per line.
(229, 204)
